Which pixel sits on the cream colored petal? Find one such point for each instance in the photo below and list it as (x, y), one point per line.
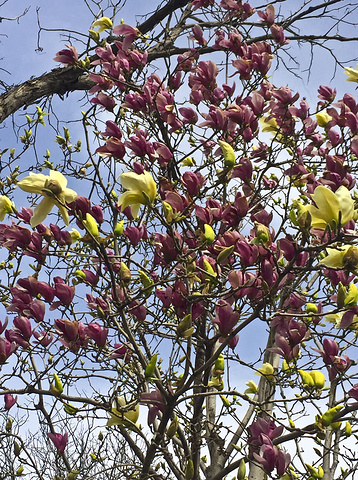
(327, 206)
(135, 209)
(69, 195)
(61, 179)
(34, 183)
(334, 259)
(152, 187)
(64, 214)
(41, 211)
(346, 204)
(317, 221)
(130, 198)
(140, 182)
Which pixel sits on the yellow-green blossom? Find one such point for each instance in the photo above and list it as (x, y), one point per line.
(125, 418)
(344, 256)
(141, 190)
(332, 207)
(323, 118)
(312, 380)
(352, 74)
(252, 387)
(53, 188)
(269, 124)
(103, 23)
(6, 206)
(75, 235)
(266, 370)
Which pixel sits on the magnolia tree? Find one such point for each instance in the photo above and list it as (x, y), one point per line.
(178, 292)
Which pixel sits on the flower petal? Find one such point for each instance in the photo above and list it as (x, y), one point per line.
(334, 259)
(346, 204)
(42, 210)
(143, 182)
(328, 207)
(34, 183)
(69, 195)
(64, 214)
(62, 180)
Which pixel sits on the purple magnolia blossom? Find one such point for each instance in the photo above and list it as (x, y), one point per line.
(155, 402)
(34, 287)
(67, 56)
(136, 234)
(72, 334)
(14, 236)
(7, 348)
(97, 333)
(353, 392)
(43, 338)
(270, 457)
(122, 352)
(263, 432)
(262, 429)
(226, 318)
(105, 101)
(129, 33)
(60, 441)
(10, 400)
(63, 292)
(137, 309)
(24, 304)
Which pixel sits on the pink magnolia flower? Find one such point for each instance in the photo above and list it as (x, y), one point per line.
(202, 4)
(137, 309)
(43, 338)
(268, 16)
(129, 33)
(97, 333)
(270, 457)
(72, 334)
(60, 441)
(7, 348)
(113, 148)
(353, 392)
(122, 352)
(226, 318)
(63, 292)
(10, 401)
(35, 287)
(135, 234)
(67, 56)
(14, 236)
(105, 101)
(155, 402)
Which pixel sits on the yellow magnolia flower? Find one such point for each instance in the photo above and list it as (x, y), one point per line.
(345, 256)
(332, 207)
(141, 190)
(312, 380)
(323, 118)
(6, 206)
(53, 188)
(352, 74)
(253, 388)
(269, 124)
(266, 370)
(103, 23)
(122, 418)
